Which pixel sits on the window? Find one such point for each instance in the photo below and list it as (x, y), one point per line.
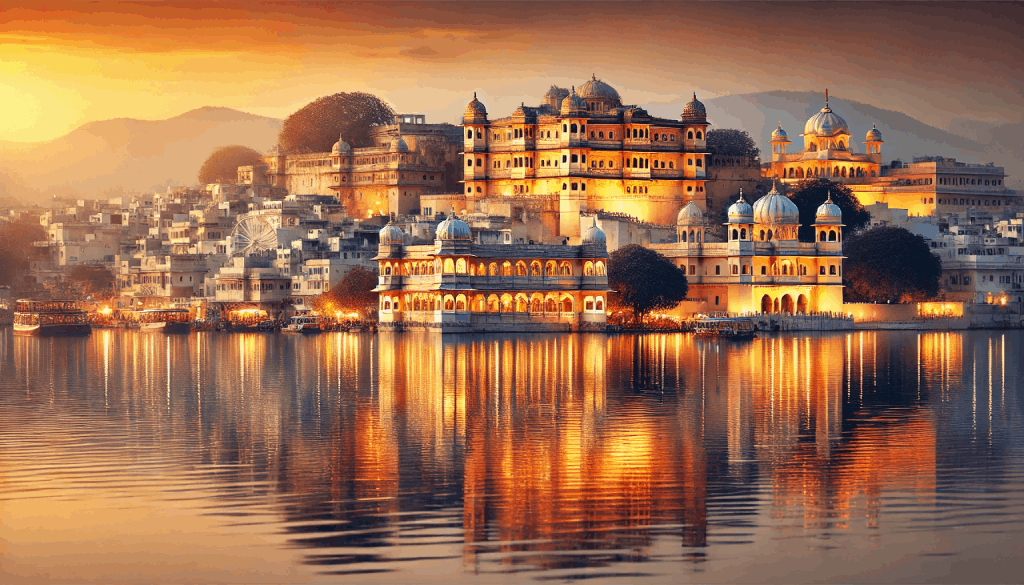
(718, 271)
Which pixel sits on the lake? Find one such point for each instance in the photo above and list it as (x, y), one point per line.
(264, 458)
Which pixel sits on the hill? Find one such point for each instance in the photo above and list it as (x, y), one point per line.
(111, 157)
(904, 135)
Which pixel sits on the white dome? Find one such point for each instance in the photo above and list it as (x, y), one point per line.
(776, 209)
(874, 135)
(829, 212)
(453, 228)
(594, 234)
(597, 89)
(741, 211)
(391, 234)
(573, 103)
(826, 123)
(475, 112)
(690, 214)
(779, 134)
(694, 111)
(341, 147)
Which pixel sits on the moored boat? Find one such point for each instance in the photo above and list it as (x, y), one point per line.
(164, 321)
(302, 324)
(730, 327)
(33, 317)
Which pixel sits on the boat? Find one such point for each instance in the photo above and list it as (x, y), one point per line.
(730, 327)
(302, 324)
(164, 321)
(50, 318)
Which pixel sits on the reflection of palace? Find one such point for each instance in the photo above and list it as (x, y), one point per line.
(455, 285)
(548, 452)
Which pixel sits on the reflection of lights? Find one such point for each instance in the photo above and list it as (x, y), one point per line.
(105, 310)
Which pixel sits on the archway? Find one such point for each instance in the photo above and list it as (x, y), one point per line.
(787, 304)
(766, 304)
(801, 304)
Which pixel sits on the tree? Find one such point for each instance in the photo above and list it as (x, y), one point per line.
(729, 142)
(94, 281)
(17, 249)
(645, 280)
(353, 294)
(222, 164)
(890, 264)
(317, 126)
(809, 194)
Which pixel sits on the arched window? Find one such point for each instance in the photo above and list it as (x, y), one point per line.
(700, 162)
(535, 268)
(550, 306)
(469, 134)
(699, 135)
(520, 268)
(588, 268)
(821, 237)
(832, 270)
(565, 269)
(460, 303)
(743, 233)
(821, 270)
(567, 305)
(573, 128)
(449, 266)
(550, 269)
(689, 135)
(831, 235)
(735, 234)
(449, 303)
(506, 268)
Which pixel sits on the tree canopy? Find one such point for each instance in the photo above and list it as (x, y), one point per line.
(352, 294)
(222, 164)
(17, 249)
(809, 194)
(317, 125)
(645, 280)
(729, 142)
(890, 264)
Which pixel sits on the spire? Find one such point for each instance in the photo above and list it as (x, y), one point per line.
(474, 95)
(826, 97)
(829, 199)
(593, 76)
(694, 96)
(741, 195)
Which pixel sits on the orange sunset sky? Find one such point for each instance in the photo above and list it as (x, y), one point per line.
(63, 64)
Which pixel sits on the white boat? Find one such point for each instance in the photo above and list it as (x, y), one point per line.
(164, 321)
(50, 318)
(302, 324)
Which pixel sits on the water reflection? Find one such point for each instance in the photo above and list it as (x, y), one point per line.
(560, 455)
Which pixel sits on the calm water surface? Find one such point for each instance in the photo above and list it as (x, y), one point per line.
(867, 456)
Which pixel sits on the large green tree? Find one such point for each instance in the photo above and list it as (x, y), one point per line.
(729, 142)
(317, 126)
(890, 264)
(352, 294)
(809, 194)
(644, 280)
(222, 164)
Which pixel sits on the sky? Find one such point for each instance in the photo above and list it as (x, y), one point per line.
(63, 64)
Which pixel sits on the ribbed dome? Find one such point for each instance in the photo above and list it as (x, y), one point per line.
(873, 135)
(453, 228)
(391, 235)
(341, 147)
(776, 209)
(826, 123)
(690, 214)
(399, 145)
(741, 211)
(573, 104)
(779, 134)
(694, 111)
(475, 112)
(594, 234)
(597, 89)
(829, 212)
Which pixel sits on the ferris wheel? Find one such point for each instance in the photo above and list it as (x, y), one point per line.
(253, 235)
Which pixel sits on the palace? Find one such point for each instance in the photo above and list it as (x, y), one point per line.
(930, 186)
(455, 285)
(762, 267)
(583, 150)
(409, 158)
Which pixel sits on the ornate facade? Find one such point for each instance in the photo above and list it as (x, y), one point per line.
(455, 285)
(761, 267)
(409, 158)
(586, 151)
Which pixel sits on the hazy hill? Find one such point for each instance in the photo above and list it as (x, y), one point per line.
(128, 155)
(904, 135)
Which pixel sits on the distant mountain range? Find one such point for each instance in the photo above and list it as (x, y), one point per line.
(124, 155)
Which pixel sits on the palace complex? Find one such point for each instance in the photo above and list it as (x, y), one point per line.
(455, 285)
(930, 186)
(586, 151)
(762, 267)
(409, 158)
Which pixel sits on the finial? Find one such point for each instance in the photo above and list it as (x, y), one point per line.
(694, 96)
(873, 126)
(826, 97)
(593, 76)
(773, 182)
(829, 200)
(741, 194)
(474, 95)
